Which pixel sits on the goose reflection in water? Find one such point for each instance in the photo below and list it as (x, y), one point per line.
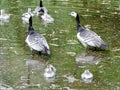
(83, 59)
(31, 65)
(34, 64)
(4, 17)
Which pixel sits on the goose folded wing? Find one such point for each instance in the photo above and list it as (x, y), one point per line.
(44, 42)
(35, 42)
(92, 39)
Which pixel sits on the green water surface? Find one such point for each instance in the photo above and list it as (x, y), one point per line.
(103, 17)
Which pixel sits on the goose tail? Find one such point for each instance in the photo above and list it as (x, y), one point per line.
(105, 45)
(47, 51)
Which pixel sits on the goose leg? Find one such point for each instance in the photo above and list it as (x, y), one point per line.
(86, 50)
(95, 48)
(40, 53)
(32, 54)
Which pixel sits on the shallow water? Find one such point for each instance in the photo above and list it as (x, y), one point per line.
(21, 72)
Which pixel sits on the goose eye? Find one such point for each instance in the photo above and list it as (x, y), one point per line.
(72, 13)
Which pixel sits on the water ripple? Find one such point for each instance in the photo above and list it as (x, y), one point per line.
(83, 59)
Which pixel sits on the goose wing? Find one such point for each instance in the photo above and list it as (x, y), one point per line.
(44, 42)
(91, 38)
(36, 42)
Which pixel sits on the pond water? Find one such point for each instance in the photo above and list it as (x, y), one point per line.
(21, 72)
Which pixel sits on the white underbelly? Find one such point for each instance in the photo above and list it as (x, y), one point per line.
(81, 40)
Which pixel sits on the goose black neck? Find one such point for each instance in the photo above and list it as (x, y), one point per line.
(78, 20)
(30, 25)
(41, 3)
(30, 21)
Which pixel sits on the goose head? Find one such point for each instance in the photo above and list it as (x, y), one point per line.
(74, 14)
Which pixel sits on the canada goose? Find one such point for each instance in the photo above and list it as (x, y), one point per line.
(36, 41)
(88, 37)
(25, 16)
(3, 15)
(87, 76)
(41, 9)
